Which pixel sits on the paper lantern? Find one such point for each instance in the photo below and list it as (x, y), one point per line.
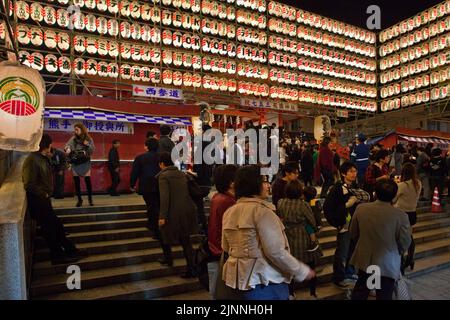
(102, 69)
(135, 31)
(113, 49)
(167, 37)
(177, 39)
(125, 50)
(177, 78)
(196, 62)
(37, 37)
(145, 74)
(62, 18)
(113, 27)
(113, 70)
(155, 75)
(22, 34)
(79, 66)
(136, 73)
(125, 71)
(22, 10)
(51, 63)
(113, 6)
(426, 96)
(136, 52)
(37, 12)
(167, 76)
(91, 45)
(64, 64)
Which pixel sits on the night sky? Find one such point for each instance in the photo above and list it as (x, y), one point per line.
(354, 11)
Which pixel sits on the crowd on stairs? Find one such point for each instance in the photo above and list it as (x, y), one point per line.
(257, 248)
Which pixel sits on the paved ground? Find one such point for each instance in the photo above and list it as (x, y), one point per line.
(432, 286)
(100, 201)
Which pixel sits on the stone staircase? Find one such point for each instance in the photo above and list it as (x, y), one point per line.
(123, 257)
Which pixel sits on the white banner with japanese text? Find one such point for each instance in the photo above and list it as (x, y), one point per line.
(156, 92)
(92, 125)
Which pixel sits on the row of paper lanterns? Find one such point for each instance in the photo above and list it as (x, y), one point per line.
(292, 61)
(410, 24)
(102, 25)
(416, 83)
(413, 68)
(292, 46)
(251, 36)
(50, 15)
(416, 98)
(334, 26)
(138, 73)
(416, 37)
(253, 19)
(293, 78)
(337, 101)
(416, 52)
(335, 41)
(281, 10)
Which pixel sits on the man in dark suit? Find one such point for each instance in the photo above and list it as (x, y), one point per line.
(383, 233)
(165, 143)
(114, 168)
(145, 168)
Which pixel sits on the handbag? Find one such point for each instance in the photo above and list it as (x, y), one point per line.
(401, 290)
(79, 157)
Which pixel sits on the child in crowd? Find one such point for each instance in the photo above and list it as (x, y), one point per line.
(310, 194)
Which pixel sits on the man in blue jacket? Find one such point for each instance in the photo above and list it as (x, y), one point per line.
(361, 153)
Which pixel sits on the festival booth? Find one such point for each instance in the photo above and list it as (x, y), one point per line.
(107, 120)
(418, 137)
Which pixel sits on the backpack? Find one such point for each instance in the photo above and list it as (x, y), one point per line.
(333, 211)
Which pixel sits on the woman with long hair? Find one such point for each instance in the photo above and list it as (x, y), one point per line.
(80, 148)
(407, 197)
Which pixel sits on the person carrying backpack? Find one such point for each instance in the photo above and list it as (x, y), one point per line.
(338, 208)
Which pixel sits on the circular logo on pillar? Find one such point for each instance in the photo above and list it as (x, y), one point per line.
(18, 96)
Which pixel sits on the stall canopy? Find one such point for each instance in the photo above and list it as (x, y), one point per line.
(87, 114)
(399, 135)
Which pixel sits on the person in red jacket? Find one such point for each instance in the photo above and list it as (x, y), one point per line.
(220, 202)
(325, 166)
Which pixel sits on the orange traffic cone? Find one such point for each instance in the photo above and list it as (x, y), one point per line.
(436, 202)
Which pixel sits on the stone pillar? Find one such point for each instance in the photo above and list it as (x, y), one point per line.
(13, 275)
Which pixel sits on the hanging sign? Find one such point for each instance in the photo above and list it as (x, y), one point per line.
(67, 125)
(155, 92)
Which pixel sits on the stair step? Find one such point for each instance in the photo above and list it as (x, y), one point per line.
(105, 235)
(105, 225)
(98, 278)
(106, 216)
(145, 289)
(99, 209)
(103, 261)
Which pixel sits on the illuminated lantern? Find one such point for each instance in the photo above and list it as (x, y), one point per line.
(196, 62)
(91, 45)
(102, 25)
(176, 19)
(113, 27)
(125, 71)
(135, 30)
(37, 12)
(22, 10)
(113, 70)
(155, 14)
(125, 50)
(196, 80)
(145, 74)
(187, 60)
(79, 66)
(125, 30)
(62, 18)
(90, 22)
(136, 53)
(113, 6)
(166, 17)
(206, 63)
(102, 69)
(186, 4)
(167, 57)
(155, 35)
(136, 73)
(177, 58)
(37, 37)
(49, 15)
(63, 41)
(64, 65)
(426, 96)
(435, 93)
(177, 39)
(155, 55)
(232, 85)
(113, 49)
(22, 34)
(135, 10)
(167, 37)
(187, 79)
(155, 75)
(146, 13)
(146, 54)
(51, 63)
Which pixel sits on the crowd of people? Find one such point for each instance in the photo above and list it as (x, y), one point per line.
(262, 235)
